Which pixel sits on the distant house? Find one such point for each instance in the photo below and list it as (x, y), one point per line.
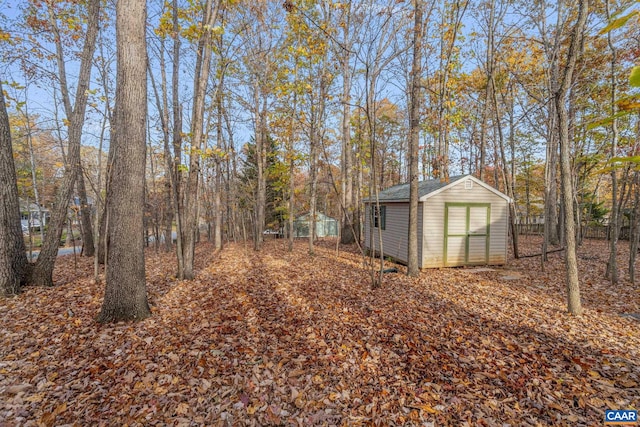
(531, 214)
(32, 215)
(460, 222)
(325, 226)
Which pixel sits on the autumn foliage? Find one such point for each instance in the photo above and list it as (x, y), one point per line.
(280, 338)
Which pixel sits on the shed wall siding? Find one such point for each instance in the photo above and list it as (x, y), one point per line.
(433, 223)
(395, 235)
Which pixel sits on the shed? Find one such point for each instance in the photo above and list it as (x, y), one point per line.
(325, 226)
(462, 221)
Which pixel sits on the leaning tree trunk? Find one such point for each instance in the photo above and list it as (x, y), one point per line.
(126, 293)
(13, 259)
(75, 114)
(43, 270)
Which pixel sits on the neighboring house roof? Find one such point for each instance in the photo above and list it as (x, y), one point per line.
(33, 207)
(428, 188)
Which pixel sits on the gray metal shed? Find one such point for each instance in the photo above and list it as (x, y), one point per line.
(462, 221)
(325, 226)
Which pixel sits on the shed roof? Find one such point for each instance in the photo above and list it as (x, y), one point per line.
(400, 193)
(319, 217)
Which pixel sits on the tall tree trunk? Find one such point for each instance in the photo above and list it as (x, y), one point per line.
(169, 184)
(414, 139)
(506, 177)
(574, 304)
(43, 270)
(291, 154)
(75, 115)
(218, 168)
(612, 265)
(347, 234)
(551, 220)
(126, 293)
(217, 202)
(101, 222)
(316, 133)
(34, 180)
(231, 173)
(99, 202)
(512, 182)
(446, 57)
(313, 187)
(200, 84)
(261, 162)
(489, 88)
(13, 259)
(176, 185)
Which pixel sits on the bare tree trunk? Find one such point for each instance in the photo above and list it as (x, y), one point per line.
(34, 180)
(170, 184)
(490, 63)
(552, 50)
(152, 204)
(292, 160)
(43, 270)
(13, 259)
(512, 180)
(217, 201)
(126, 293)
(101, 243)
(507, 178)
(573, 287)
(347, 234)
(261, 161)
(99, 203)
(358, 218)
(176, 184)
(414, 139)
(85, 211)
(316, 133)
(612, 265)
(231, 173)
(446, 56)
(313, 184)
(201, 79)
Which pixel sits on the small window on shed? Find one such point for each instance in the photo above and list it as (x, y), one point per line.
(379, 217)
(468, 184)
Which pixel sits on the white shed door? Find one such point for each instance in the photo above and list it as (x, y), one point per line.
(467, 233)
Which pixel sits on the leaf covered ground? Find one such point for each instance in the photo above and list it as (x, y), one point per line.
(280, 338)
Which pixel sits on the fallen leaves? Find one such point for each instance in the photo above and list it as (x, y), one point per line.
(279, 338)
